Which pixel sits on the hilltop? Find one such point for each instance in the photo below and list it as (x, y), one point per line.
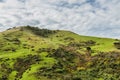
(30, 53)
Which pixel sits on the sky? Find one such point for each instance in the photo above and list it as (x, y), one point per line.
(85, 17)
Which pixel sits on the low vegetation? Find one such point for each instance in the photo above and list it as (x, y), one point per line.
(40, 32)
(30, 53)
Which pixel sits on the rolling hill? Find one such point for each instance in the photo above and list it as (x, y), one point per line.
(30, 53)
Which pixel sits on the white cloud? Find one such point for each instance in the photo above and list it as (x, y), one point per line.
(86, 17)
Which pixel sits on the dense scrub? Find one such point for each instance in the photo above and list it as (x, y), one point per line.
(70, 65)
(117, 45)
(74, 66)
(5, 69)
(22, 64)
(40, 32)
(29, 53)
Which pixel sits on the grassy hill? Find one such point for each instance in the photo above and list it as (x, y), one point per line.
(30, 53)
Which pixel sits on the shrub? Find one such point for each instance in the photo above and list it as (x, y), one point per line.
(40, 32)
(117, 45)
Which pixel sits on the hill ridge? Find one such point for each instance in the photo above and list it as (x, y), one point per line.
(51, 54)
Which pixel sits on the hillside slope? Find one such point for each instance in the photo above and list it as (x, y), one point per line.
(29, 53)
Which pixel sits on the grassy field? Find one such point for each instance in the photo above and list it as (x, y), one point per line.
(22, 47)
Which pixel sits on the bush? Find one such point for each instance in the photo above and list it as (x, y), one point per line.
(23, 64)
(117, 45)
(40, 32)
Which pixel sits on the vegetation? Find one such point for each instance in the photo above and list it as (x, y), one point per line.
(40, 32)
(30, 53)
(117, 45)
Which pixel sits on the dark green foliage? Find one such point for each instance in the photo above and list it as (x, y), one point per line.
(23, 64)
(76, 44)
(90, 42)
(7, 46)
(82, 44)
(9, 49)
(69, 38)
(49, 50)
(69, 59)
(54, 72)
(88, 48)
(104, 66)
(65, 53)
(40, 32)
(14, 40)
(117, 45)
(5, 69)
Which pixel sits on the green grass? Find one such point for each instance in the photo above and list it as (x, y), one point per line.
(53, 41)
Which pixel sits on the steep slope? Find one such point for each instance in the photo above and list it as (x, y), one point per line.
(29, 53)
